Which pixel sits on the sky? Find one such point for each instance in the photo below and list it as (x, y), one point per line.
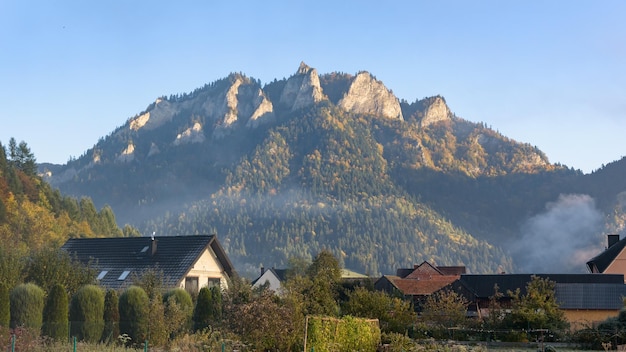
(548, 73)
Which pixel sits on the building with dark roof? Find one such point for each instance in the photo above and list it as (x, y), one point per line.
(612, 260)
(584, 298)
(189, 262)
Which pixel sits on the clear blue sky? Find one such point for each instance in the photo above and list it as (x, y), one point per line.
(548, 73)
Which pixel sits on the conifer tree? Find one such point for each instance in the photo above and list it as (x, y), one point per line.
(87, 313)
(55, 314)
(202, 311)
(27, 302)
(111, 316)
(134, 307)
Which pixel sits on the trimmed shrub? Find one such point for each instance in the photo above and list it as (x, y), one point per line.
(202, 311)
(55, 314)
(5, 306)
(27, 301)
(134, 307)
(87, 313)
(216, 304)
(111, 317)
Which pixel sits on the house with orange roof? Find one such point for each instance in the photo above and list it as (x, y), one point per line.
(418, 283)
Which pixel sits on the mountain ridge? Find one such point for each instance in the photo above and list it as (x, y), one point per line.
(323, 145)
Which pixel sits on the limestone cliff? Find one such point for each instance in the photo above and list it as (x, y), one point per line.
(243, 104)
(302, 89)
(367, 95)
(436, 111)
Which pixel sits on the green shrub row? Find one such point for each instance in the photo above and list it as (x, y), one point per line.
(92, 315)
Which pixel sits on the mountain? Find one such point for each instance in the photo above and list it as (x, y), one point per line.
(336, 161)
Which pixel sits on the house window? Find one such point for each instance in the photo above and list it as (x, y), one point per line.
(214, 282)
(191, 285)
(102, 275)
(124, 275)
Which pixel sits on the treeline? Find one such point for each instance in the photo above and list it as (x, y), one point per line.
(33, 215)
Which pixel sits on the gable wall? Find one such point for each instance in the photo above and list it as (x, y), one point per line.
(268, 276)
(207, 267)
(618, 265)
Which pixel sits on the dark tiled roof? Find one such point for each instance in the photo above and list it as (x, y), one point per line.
(174, 256)
(483, 285)
(604, 259)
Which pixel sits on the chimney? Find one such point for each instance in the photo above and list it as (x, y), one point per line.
(262, 270)
(153, 246)
(613, 239)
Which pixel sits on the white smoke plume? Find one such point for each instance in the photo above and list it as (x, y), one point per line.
(562, 239)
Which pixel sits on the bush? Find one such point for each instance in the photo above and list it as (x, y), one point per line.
(55, 314)
(87, 313)
(111, 317)
(134, 307)
(178, 311)
(5, 306)
(345, 334)
(202, 311)
(27, 301)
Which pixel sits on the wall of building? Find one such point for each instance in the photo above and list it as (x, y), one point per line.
(207, 269)
(580, 319)
(618, 266)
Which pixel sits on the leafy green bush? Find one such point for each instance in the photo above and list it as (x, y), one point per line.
(134, 308)
(55, 314)
(87, 313)
(27, 302)
(111, 316)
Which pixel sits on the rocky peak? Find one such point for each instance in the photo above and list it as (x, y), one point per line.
(436, 111)
(302, 89)
(243, 103)
(366, 95)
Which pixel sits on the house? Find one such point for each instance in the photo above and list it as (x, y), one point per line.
(189, 262)
(419, 282)
(612, 260)
(270, 277)
(584, 298)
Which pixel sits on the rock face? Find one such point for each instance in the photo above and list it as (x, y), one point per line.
(161, 112)
(437, 111)
(244, 104)
(367, 95)
(302, 89)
